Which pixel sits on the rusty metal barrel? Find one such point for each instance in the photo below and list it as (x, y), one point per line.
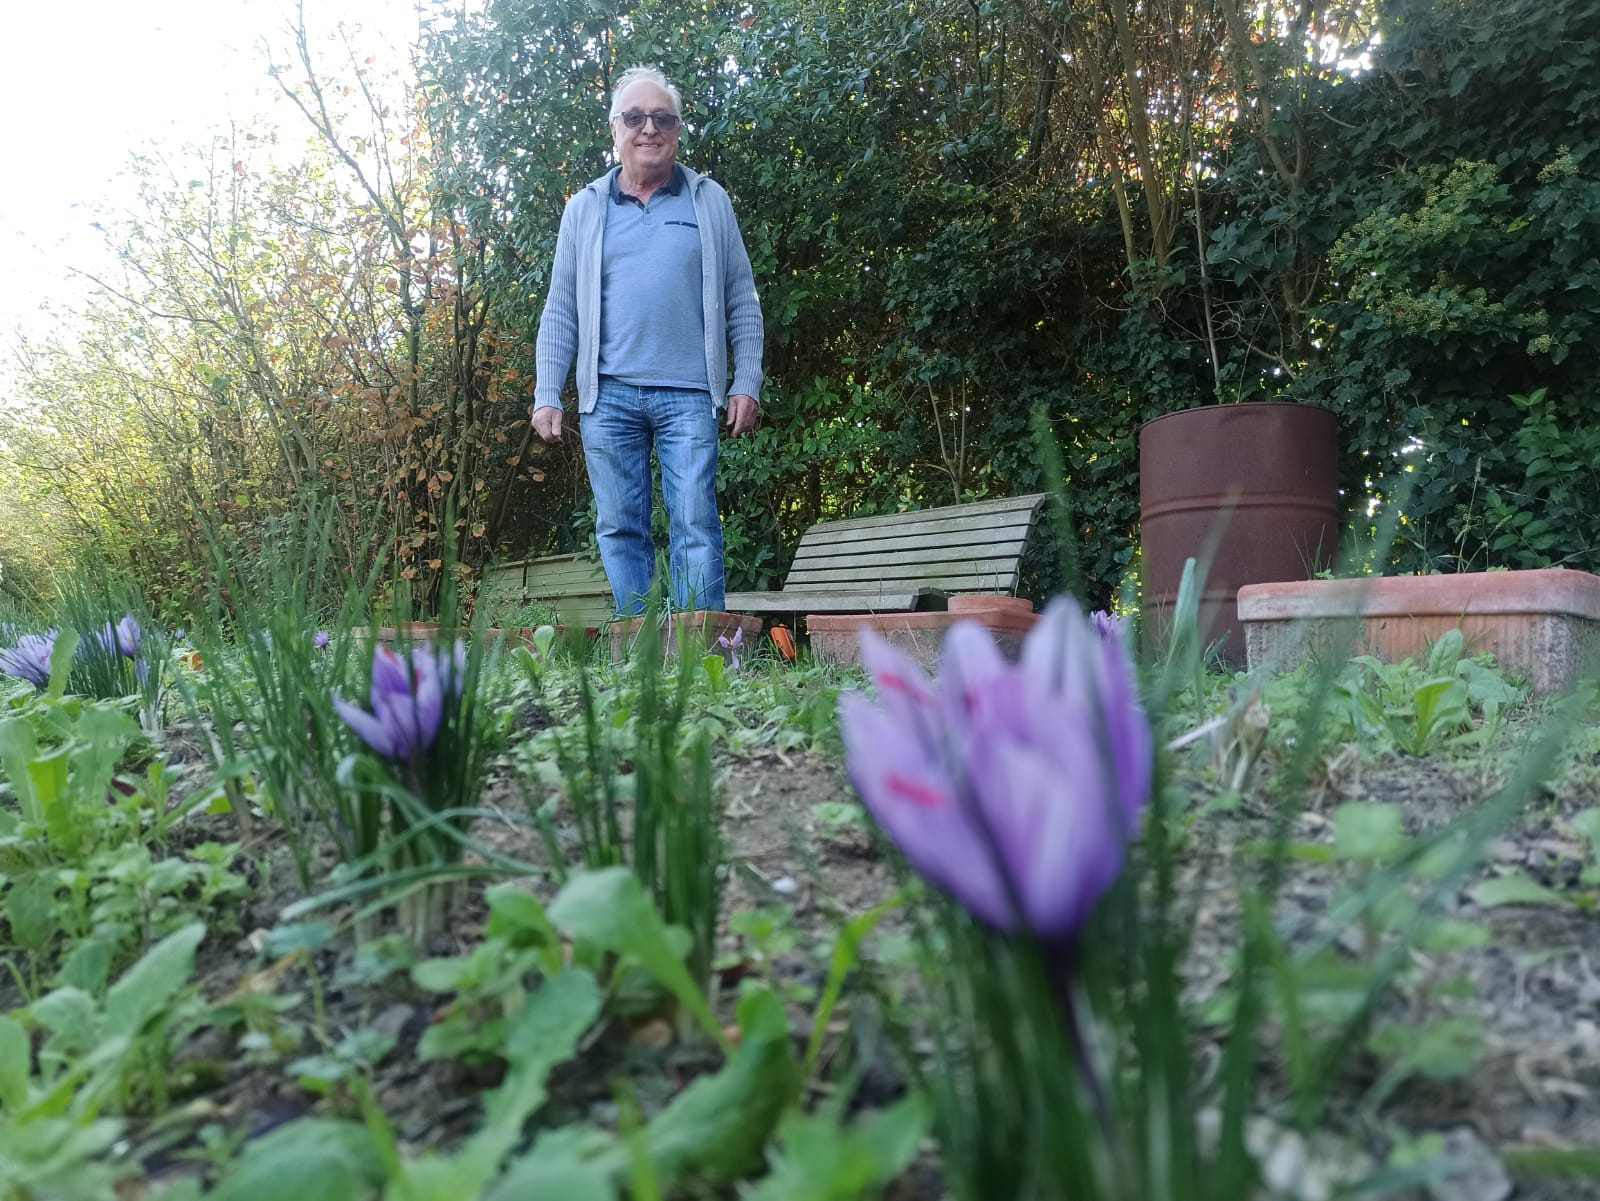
(1252, 487)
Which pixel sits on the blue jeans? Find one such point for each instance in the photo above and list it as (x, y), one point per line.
(681, 426)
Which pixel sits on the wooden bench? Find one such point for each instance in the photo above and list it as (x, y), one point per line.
(573, 586)
(898, 562)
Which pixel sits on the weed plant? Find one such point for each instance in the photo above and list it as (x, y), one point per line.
(675, 848)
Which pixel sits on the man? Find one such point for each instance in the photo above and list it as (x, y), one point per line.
(650, 287)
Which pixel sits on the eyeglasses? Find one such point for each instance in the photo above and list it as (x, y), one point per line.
(665, 122)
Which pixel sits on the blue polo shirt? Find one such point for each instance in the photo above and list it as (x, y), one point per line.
(652, 313)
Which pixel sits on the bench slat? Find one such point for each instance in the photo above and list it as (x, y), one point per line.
(918, 535)
(1000, 578)
(868, 561)
(806, 601)
(949, 513)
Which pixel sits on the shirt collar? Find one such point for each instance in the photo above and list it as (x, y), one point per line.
(674, 185)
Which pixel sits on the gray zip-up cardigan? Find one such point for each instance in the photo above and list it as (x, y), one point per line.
(570, 326)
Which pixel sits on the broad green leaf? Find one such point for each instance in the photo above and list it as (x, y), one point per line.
(569, 1164)
(70, 1015)
(720, 1124)
(16, 1066)
(819, 1161)
(519, 917)
(147, 987)
(1514, 889)
(315, 1159)
(18, 746)
(1367, 831)
(1444, 654)
(545, 1034)
(553, 1019)
(48, 774)
(30, 909)
(61, 662)
(609, 909)
(440, 975)
(1437, 702)
(88, 967)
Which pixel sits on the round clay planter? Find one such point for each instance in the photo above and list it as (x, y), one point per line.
(1253, 484)
(990, 602)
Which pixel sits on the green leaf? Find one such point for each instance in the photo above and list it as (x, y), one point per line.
(61, 662)
(315, 1159)
(1445, 653)
(1367, 831)
(302, 936)
(30, 909)
(147, 987)
(18, 746)
(89, 966)
(719, 1124)
(440, 975)
(70, 1015)
(609, 909)
(564, 1164)
(845, 952)
(1514, 889)
(819, 1161)
(546, 1033)
(16, 1066)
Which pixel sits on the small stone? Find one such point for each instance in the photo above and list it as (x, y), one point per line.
(393, 1020)
(655, 1034)
(785, 886)
(1475, 1172)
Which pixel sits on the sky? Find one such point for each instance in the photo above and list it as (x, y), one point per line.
(87, 83)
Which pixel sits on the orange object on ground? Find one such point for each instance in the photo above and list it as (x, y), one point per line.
(784, 641)
(192, 660)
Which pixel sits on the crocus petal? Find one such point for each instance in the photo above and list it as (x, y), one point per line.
(129, 636)
(911, 798)
(320, 640)
(368, 728)
(903, 689)
(390, 675)
(1058, 841)
(428, 703)
(979, 687)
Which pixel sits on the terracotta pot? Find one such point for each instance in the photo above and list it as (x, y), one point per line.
(1542, 624)
(836, 638)
(989, 602)
(1254, 487)
(700, 627)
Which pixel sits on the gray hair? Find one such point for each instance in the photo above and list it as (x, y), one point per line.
(635, 75)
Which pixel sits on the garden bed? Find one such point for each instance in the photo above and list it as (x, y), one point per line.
(1484, 1042)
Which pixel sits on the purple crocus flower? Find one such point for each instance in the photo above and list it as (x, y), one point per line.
(1014, 787)
(129, 636)
(732, 645)
(407, 700)
(1109, 625)
(320, 640)
(29, 659)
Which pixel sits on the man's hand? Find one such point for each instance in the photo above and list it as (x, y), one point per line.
(743, 413)
(547, 423)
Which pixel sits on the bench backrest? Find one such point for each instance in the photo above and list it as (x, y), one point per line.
(961, 548)
(573, 585)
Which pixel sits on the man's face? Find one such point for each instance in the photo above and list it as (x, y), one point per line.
(646, 151)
